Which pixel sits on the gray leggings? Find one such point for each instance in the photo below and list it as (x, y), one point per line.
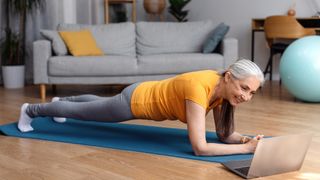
(88, 107)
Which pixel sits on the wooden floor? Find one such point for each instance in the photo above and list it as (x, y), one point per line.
(273, 111)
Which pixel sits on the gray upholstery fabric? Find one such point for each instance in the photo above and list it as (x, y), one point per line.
(177, 63)
(92, 66)
(41, 53)
(171, 37)
(58, 46)
(113, 39)
(229, 50)
(106, 79)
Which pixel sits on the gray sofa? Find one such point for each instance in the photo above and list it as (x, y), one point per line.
(133, 53)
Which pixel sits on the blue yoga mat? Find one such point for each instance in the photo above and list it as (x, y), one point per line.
(139, 138)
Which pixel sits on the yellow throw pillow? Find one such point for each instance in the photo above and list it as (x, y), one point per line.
(81, 43)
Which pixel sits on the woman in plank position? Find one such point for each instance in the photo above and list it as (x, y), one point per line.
(187, 97)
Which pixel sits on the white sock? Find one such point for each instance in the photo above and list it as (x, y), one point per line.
(55, 99)
(58, 119)
(24, 124)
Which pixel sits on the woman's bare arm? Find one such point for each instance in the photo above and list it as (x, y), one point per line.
(197, 134)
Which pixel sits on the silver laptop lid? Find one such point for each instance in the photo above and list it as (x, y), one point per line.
(279, 154)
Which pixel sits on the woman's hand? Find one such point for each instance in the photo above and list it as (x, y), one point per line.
(251, 145)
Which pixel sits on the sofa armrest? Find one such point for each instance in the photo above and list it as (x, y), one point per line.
(229, 50)
(41, 53)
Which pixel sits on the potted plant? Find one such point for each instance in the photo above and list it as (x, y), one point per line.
(13, 43)
(176, 9)
(11, 60)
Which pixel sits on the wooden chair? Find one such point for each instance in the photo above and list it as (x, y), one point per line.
(108, 2)
(279, 28)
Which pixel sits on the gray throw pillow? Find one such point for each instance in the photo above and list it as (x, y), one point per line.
(58, 46)
(215, 37)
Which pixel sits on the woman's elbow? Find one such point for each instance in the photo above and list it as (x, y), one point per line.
(200, 150)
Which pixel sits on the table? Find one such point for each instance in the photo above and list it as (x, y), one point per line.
(257, 25)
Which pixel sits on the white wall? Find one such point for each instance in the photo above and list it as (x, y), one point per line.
(238, 14)
(69, 11)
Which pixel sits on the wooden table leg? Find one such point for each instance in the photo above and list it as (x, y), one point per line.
(106, 11)
(134, 14)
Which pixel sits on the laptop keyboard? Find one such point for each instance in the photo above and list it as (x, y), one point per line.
(243, 170)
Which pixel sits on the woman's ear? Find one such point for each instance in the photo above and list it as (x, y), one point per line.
(227, 77)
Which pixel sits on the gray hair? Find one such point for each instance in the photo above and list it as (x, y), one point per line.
(244, 68)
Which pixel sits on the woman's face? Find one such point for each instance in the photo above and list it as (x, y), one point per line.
(240, 90)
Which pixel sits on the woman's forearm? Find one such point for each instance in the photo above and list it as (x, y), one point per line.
(214, 149)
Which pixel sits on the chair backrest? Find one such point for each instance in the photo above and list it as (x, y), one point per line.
(284, 27)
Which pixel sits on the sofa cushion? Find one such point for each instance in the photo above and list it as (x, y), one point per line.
(172, 37)
(92, 66)
(113, 39)
(58, 46)
(178, 63)
(81, 43)
(215, 38)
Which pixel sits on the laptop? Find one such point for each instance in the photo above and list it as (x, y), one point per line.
(273, 156)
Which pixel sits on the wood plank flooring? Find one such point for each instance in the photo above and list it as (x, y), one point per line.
(273, 111)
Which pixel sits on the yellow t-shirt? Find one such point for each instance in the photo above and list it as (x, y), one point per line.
(162, 100)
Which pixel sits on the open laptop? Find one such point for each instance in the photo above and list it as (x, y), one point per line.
(273, 156)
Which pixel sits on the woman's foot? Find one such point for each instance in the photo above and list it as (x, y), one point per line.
(58, 119)
(24, 124)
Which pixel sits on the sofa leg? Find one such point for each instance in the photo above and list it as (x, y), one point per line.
(43, 92)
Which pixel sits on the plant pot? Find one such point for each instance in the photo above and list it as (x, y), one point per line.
(154, 6)
(13, 76)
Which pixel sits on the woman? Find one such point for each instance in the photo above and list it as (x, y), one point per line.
(187, 97)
